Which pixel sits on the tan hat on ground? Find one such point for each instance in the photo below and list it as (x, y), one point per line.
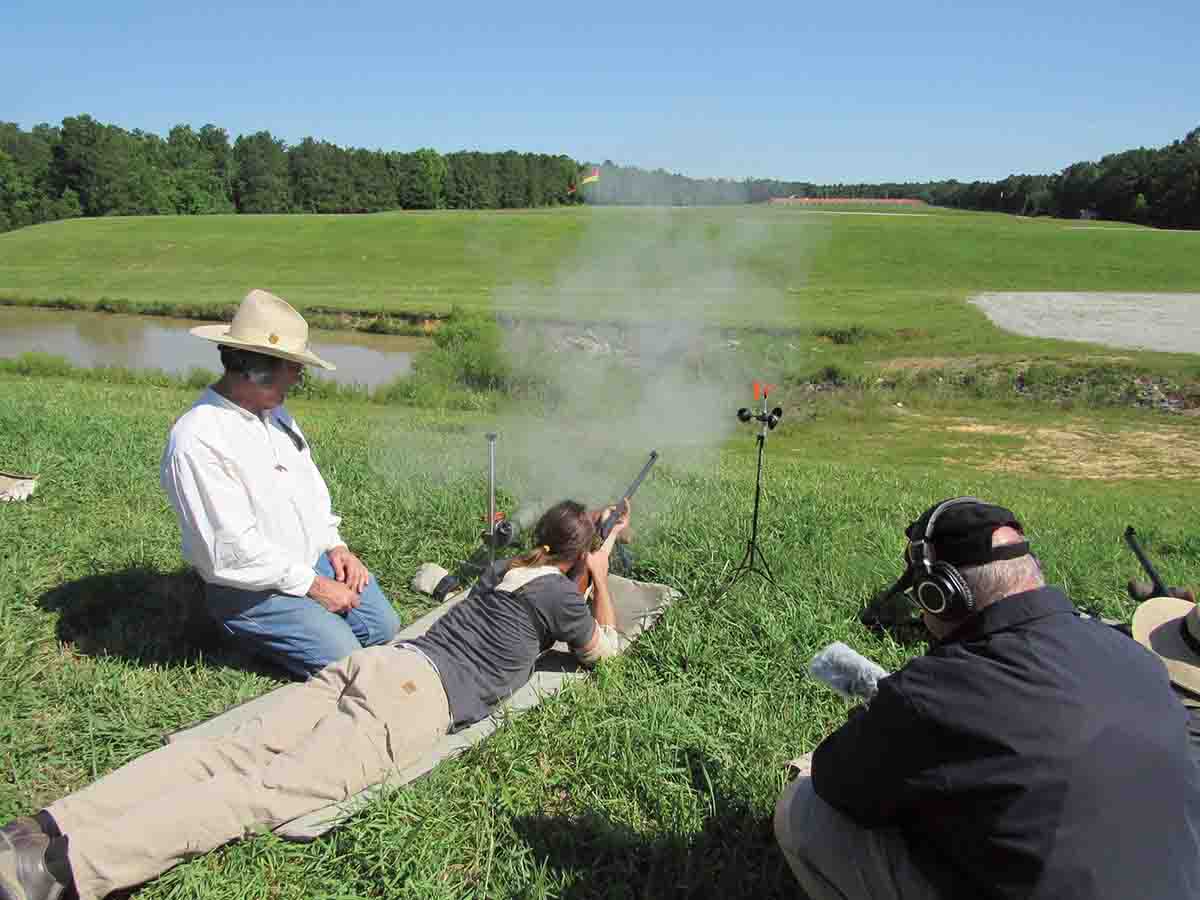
(1170, 627)
(268, 325)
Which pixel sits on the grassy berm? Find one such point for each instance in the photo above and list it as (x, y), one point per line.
(794, 268)
(655, 777)
(854, 298)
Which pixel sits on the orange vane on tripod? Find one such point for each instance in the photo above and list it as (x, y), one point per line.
(757, 391)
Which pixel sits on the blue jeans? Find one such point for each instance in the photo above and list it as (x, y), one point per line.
(298, 633)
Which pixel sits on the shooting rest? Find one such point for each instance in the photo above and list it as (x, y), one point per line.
(637, 606)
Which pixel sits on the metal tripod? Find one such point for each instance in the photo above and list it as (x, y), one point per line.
(753, 554)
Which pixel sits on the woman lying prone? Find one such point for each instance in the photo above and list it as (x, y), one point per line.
(349, 727)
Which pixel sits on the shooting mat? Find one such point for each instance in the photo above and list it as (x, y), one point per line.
(637, 605)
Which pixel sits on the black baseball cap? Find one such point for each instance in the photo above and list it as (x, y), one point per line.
(962, 532)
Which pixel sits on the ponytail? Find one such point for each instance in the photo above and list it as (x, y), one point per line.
(564, 533)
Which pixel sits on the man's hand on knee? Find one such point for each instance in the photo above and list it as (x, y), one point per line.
(348, 568)
(333, 595)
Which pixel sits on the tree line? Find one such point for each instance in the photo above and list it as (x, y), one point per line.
(1158, 186)
(632, 186)
(86, 168)
(1150, 186)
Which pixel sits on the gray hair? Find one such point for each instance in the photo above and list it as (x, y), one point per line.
(256, 367)
(992, 581)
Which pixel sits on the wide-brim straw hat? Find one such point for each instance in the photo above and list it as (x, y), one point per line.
(1170, 627)
(266, 324)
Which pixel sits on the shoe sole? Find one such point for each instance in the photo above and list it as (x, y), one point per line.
(10, 886)
(10, 882)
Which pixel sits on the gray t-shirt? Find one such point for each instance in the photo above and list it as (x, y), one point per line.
(485, 647)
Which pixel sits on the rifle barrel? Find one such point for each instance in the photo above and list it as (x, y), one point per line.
(613, 517)
(641, 476)
(1160, 586)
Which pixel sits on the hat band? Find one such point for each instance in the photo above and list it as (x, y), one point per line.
(967, 558)
(990, 555)
(272, 341)
(1188, 638)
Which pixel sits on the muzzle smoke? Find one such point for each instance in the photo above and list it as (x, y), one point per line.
(635, 345)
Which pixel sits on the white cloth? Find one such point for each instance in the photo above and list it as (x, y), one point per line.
(608, 645)
(427, 578)
(254, 511)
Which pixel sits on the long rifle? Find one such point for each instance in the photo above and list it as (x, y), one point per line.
(1160, 586)
(609, 522)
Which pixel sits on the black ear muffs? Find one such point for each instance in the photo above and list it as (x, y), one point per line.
(943, 592)
(938, 587)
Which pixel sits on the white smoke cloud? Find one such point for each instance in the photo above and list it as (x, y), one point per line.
(632, 337)
(632, 348)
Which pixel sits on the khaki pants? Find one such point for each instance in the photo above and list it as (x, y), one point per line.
(834, 858)
(344, 730)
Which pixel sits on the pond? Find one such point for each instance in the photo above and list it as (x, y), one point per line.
(91, 339)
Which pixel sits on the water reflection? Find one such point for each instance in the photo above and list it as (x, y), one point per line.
(90, 339)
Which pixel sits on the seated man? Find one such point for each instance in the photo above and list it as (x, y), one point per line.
(361, 719)
(1030, 753)
(254, 511)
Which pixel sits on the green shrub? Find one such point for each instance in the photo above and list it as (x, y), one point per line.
(314, 387)
(433, 391)
(853, 334)
(199, 378)
(37, 363)
(385, 324)
(114, 305)
(830, 374)
(468, 350)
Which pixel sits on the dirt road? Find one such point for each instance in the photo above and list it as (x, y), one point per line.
(1169, 322)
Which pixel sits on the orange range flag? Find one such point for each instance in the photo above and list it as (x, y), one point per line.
(591, 177)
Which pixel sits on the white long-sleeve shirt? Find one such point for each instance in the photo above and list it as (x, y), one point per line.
(254, 511)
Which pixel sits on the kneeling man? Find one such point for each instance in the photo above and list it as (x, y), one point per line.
(1030, 753)
(254, 511)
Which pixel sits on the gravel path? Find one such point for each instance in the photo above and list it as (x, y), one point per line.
(1167, 322)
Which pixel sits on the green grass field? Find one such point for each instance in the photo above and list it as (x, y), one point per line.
(657, 776)
(795, 267)
(896, 283)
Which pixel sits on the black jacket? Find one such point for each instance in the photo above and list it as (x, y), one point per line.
(1034, 754)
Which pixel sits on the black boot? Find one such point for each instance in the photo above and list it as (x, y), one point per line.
(23, 871)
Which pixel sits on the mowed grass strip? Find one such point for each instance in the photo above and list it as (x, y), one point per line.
(655, 777)
(747, 265)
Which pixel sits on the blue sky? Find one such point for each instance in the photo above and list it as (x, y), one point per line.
(855, 91)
